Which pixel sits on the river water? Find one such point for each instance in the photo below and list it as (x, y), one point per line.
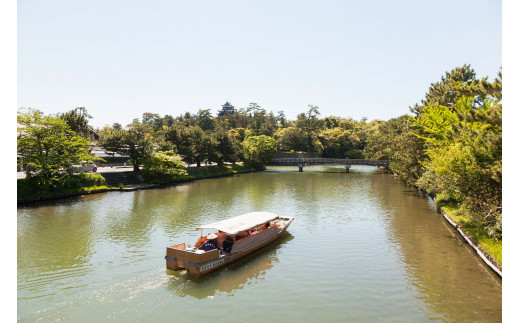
(362, 247)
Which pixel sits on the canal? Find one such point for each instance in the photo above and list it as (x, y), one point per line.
(362, 247)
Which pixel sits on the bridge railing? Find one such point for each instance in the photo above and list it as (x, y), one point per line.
(315, 161)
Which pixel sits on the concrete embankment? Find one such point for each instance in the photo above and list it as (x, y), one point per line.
(490, 261)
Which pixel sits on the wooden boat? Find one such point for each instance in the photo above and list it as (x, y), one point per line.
(245, 233)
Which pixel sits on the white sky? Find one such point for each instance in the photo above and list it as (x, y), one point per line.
(356, 59)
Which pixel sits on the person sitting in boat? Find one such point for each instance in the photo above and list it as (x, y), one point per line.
(263, 227)
(242, 235)
(200, 241)
(210, 243)
(221, 236)
(227, 244)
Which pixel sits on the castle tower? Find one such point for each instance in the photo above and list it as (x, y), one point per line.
(227, 108)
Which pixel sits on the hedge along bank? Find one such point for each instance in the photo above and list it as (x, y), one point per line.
(40, 194)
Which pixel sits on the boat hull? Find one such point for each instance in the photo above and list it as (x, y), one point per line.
(198, 264)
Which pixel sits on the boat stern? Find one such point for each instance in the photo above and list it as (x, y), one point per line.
(178, 257)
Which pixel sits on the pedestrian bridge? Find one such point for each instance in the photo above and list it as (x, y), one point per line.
(300, 162)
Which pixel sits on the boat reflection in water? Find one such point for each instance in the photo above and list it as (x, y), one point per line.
(231, 278)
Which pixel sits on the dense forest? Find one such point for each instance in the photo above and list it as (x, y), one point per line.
(450, 144)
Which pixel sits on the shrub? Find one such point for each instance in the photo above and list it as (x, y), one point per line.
(354, 154)
(164, 165)
(39, 186)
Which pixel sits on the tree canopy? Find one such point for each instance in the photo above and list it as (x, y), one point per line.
(259, 149)
(452, 146)
(136, 142)
(47, 145)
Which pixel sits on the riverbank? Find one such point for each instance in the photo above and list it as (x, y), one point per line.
(487, 248)
(26, 194)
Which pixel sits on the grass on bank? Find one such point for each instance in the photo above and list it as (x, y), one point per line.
(473, 228)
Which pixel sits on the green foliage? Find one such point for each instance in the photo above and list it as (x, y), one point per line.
(337, 141)
(226, 147)
(135, 142)
(258, 150)
(238, 133)
(164, 164)
(203, 145)
(205, 121)
(182, 138)
(282, 119)
(77, 120)
(464, 148)
(453, 146)
(47, 146)
(309, 122)
(292, 138)
(38, 186)
(395, 141)
(261, 122)
(153, 120)
(354, 154)
(447, 91)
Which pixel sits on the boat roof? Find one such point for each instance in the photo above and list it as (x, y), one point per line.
(241, 223)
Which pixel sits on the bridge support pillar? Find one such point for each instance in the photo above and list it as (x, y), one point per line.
(300, 167)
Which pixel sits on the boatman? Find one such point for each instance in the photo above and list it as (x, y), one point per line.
(210, 243)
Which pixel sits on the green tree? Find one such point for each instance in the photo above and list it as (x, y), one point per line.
(135, 142)
(395, 141)
(464, 149)
(226, 147)
(202, 145)
(261, 122)
(292, 138)
(449, 88)
(164, 164)
(205, 120)
(252, 109)
(77, 120)
(209, 149)
(181, 137)
(153, 120)
(48, 146)
(168, 120)
(238, 133)
(331, 122)
(309, 121)
(258, 150)
(282, 119)
(337, 141)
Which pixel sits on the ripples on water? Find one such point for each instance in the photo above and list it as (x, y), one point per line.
(362, 248)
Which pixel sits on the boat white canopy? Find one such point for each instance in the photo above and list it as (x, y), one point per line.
(242, 222)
